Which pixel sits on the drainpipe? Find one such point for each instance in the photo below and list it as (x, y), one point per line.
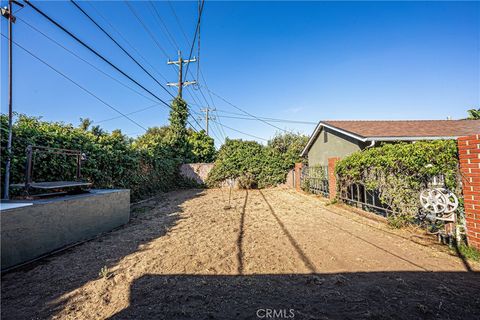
(371, 144)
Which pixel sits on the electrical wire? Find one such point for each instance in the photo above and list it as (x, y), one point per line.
(178, 20)
(130, 7)
(251, 115)
(93, 50)
(127, 42)
(98, 54)
(119, 45)
(133, 47)
(76, 83)
(159, 18)
(84, 60)
(129, 113)
(247, 134)
(200, 10)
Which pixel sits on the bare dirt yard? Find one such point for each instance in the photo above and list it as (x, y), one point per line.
(274, 253)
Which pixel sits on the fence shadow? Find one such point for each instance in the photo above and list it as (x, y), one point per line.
(151, 220)
(376, 295)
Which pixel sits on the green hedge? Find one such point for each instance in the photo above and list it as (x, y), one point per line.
(399, 171)
(254, 165)
(146, 165)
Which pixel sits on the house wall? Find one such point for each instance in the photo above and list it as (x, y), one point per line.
(337, 146)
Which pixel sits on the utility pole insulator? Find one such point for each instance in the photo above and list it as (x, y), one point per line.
(180, 84)
(208, 117)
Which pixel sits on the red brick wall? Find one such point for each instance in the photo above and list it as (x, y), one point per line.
(332, 178)
(298, 173)
(469, 155)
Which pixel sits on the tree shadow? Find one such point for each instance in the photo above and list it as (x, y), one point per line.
(74, 267)
(359, 295)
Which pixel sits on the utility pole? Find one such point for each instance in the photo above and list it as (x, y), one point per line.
(207, 117)
(180, 84)
(7, 13)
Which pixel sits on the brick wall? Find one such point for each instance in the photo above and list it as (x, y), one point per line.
(469, 155)
(298, 174)
(332, 178)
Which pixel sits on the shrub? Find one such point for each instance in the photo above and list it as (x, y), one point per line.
(399, 171)
(255, 165)
(145, 165)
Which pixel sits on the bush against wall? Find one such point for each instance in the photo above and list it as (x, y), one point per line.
(399, 171)
(145, 165)
(255, 165)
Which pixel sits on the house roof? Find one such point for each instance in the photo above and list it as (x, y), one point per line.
(398, 130)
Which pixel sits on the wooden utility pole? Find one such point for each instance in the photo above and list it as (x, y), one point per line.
(7, 13)
(180, 84)
(207, 117)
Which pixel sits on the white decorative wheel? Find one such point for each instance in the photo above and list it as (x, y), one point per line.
(452, 200)
(434, 201)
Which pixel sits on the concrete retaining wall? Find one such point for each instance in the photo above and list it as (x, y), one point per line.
(47, 225)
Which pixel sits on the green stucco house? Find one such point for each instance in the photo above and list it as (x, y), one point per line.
(332, 139)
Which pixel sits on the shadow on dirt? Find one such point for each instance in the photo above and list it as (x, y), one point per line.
(73, 268)
(376, 295)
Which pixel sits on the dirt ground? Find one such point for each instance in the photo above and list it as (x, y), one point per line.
(274, 253)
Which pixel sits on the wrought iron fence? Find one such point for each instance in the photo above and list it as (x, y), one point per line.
(369, 200)
(314, 179)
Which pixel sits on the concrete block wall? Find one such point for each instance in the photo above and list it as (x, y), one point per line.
(196, 171)
(469, 156)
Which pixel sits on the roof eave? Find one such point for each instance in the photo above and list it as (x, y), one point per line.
(321, 124)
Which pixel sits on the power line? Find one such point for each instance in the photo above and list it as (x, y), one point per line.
(119, 45)
(133, 48)
(238, 108)
(98, 54)
(220, 129)
(178, 20)
(84, 60)
(247, 134)
(126, 41)
(130, 113)
(130, 7)
(77, 84)
(159, 18)
(200, 10)
(271, 119)
(93, 51)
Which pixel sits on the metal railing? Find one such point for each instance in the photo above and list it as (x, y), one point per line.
(315, 180)
(40, 149)
(369, 200)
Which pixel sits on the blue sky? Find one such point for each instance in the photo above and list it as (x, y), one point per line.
(305, 61)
